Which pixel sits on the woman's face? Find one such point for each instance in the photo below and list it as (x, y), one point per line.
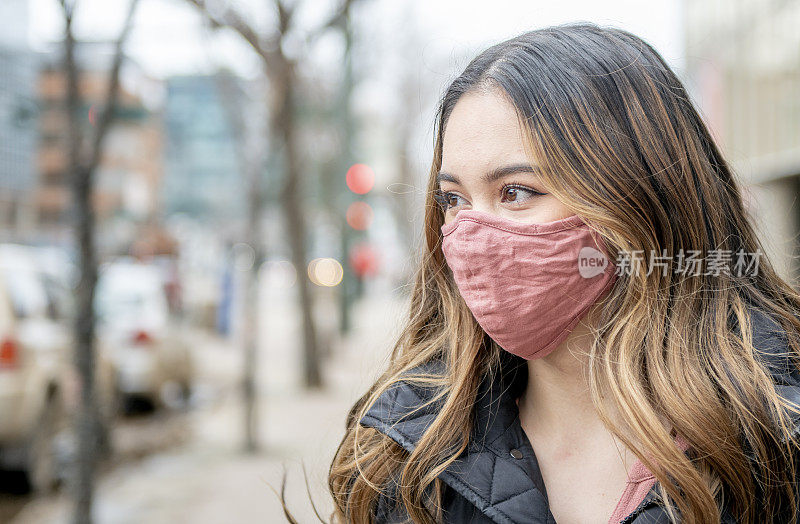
(484, 165)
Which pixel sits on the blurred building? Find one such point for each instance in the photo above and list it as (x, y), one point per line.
(206, 122)
(17, 119)
(129, 175)
(17, 137)
(743, 61)
(203, 173)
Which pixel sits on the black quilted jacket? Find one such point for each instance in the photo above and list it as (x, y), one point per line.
(497, 479)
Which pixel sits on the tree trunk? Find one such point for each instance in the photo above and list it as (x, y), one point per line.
(284, 107)
(280, 69)
(83, 159)
(251, 163)
(87, 423)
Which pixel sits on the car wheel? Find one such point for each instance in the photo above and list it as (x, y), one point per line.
(43, 460)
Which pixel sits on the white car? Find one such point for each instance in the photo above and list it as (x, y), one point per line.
(145, 340)
(37, 378)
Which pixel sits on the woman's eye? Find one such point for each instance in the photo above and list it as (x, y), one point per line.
(517, 194)
(448, 199)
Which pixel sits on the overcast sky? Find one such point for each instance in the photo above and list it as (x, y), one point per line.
(169, 37)
(431, 40)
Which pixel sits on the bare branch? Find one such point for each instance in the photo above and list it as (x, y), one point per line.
(69, 8)
(230, 18)
(222, 15)
(338, 16)
(337, 20)
(285, 14)
(75, 137)
(112, 93)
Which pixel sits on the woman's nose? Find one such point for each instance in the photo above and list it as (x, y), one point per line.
(484, 205)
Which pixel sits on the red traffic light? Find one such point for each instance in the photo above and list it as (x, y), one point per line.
(359, 215)
(360, 178)
(364, 260)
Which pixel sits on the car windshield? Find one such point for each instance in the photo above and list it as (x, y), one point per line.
(28, 296)
(131, 295)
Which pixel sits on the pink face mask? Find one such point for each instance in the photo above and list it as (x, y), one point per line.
(528, 285)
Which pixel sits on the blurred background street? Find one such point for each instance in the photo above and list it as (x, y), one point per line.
(211, 213)
(186, 466)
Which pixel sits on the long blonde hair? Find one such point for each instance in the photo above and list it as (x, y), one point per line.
(617, 140)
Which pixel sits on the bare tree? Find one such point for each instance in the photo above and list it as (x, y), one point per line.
(344, 117)
(237, 104)
(83, 158)
(411, 90)
(281, 71)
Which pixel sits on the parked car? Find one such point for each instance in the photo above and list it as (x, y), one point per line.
(60, 279)
(146, 342)
(37, 381)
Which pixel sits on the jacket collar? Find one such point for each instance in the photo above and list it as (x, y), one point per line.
(504, 488)
(498, 471)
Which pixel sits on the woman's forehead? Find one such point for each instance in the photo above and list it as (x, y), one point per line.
(483, 131)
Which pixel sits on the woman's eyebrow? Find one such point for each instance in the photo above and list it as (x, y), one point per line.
(491, 176)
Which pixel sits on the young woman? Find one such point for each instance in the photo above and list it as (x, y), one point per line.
(594, 334)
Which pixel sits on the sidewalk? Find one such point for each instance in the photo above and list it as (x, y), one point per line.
(207, 479)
